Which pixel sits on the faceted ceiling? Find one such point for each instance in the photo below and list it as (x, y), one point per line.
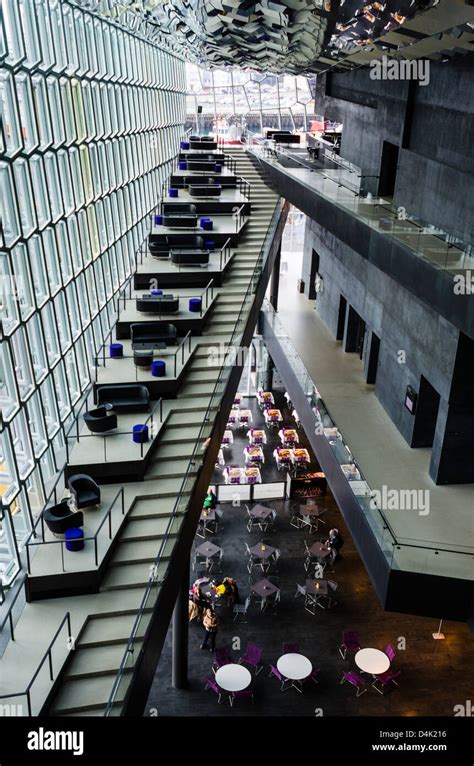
(294, 36)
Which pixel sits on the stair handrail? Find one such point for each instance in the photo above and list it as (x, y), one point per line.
(47, 655)
(129, 649)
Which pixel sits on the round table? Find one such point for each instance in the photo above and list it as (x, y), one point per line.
(372, 661)
(233, 678)
(295, 667)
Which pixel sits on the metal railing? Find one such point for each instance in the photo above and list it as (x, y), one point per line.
(95, 537)
(47, 656)
(188, 480)
(150, 421)
(388, 539)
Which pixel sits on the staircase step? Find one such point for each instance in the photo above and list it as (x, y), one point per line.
(96, 661)
(145, 529)
(109, 631)
(86, 692)
(133, 575)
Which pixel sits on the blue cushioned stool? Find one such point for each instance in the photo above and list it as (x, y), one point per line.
(195, 304)
(158, 220)
(182, 165)
(74, 539)
(158, 368)
(116, 350)
(218, 168)
(140, 434)
(184, 145)
(207, 224)
(156, 292)
(210, 245)
(173, 191)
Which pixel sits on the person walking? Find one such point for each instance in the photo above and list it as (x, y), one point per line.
(211, 623)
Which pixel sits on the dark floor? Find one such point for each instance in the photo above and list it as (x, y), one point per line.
(435, 675)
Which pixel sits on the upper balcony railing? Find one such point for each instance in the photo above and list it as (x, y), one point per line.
(350, 188)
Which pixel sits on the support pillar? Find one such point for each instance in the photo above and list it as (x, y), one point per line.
(180, 635)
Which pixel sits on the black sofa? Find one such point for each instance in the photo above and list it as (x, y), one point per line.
(128, 397)
(206, 166)
(149, 333)
(196, 145)
(177, 207)
(177, 221)
(58, 518)
(161, 249)
(158, 304)
(189, 257)
(286, 138)
(84, 490)
(99, 421)
(204, 190)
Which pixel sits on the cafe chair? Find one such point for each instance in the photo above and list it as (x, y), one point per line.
(60, 517)
(275, 672)
(390, 652)
(384, 679)
(350, 643)
(300, 591)
(252, 657)
(291, 647)
(355, 680)
(244, 694)
(296, 520)
(211, 684)
(241, 609)
(222, 657)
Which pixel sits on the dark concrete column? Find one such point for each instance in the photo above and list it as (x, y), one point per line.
(275, 280)
(269, 374)
(180, 635)
(351, 330)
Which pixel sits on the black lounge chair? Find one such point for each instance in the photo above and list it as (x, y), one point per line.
(84, 490)
(58, 518)
(99, 421)
(128, 397)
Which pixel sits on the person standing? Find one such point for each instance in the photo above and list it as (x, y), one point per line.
(211, 623)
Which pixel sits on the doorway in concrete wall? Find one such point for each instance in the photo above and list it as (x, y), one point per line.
(426, 415)
(388, 169)
(373, 361)
(341, 318)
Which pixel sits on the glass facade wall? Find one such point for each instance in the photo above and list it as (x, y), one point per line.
(92, 115)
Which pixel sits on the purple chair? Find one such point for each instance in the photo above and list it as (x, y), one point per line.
(384, 679)
(275, 672)
(245, 693)
(355, 680)
(252, 657)
(313, 676)
(350, 643)
(221, 657)
(390, 652)
(291, 648)
(211, 684)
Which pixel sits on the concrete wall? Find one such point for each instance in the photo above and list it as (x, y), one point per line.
(433, 126)
(402, 323)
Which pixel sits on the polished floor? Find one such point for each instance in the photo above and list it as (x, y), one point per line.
(433, 673)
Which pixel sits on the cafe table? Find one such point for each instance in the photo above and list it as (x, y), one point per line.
(372, 661)
(295, 668)
(264, 588)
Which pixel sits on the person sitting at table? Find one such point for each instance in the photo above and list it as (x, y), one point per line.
(211, 623)
(231, 591)
(211, 500)
(335, 543)
(197, 603)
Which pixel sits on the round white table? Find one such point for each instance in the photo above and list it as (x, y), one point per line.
(372, 661)
(233, 678)
(294, 667)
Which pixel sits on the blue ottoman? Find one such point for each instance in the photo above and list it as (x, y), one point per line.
(184, 145)
(182, 165)
(195, 305)
(116, 350)
(173, 191)
(140, 434)
(218, 168)
(158, 368)
(74, 539)
(156, 292)
(210, 245)
(206, 224)
(158, 220)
